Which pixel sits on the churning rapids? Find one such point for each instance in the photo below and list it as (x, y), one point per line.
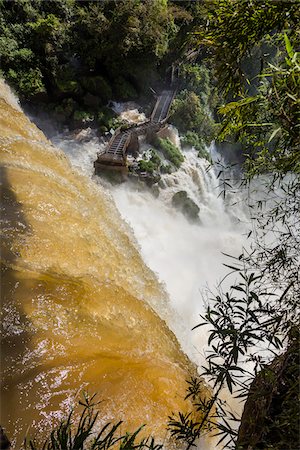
(186, 257)
(81, 309)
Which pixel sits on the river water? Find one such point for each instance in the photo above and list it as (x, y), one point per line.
(90, 291)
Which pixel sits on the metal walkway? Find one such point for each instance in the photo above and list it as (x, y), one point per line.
(115, 152)
(162, 107)
(116, 145)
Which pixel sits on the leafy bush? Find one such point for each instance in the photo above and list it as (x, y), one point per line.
(189, 114)
(83, 116)
(108, 119)
(152, 164)
(67, 86)
(171, 152)
(46, 26)
(146, 166)
(28, 82)
(123, 89)
(194, 140)
(196, 78)
(155, 159)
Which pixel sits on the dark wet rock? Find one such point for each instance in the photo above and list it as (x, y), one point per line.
(186, 205)
(4, 441)
(133, 146)
(270, 418)
(155, 190)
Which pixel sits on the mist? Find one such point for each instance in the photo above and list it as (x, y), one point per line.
(186, 256)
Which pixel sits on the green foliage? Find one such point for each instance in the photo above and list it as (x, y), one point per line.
(83, 116)
(189, 114)
(29, 82)
(268, 123)
(155, 159)
(65, 80)
(34, 43)
(145, 26)
(152, 164)
(258, 70)
(196, 78)
(108, 119)
(46, 26)
(123, 89)
(95, 44)
(184, 429)
(146, 166)
(171, 152)
(192, 139)
(239, 321)
(68, 106)
(98, 86)
(233, 29)
(84, 434)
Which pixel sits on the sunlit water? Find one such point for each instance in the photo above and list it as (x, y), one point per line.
(80, 308)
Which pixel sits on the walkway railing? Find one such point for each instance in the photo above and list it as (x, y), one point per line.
(116, 150)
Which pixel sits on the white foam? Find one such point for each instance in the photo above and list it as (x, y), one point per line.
(187, 257)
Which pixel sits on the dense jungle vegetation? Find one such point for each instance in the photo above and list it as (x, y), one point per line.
(240, 82)
(72, 57)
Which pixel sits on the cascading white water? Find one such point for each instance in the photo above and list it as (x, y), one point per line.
(129, 112)
(186, 256)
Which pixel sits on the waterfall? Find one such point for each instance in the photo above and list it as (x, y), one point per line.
(186, 257)
(80, 308)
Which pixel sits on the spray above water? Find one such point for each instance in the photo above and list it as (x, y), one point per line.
(186, 256)
(129, 112)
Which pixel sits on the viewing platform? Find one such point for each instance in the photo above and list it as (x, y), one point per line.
(115, 154)
(162, 107)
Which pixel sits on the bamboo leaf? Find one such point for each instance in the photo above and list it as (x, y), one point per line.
(274, 134)
(288, 46)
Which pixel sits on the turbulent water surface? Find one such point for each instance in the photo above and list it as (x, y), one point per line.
(186, 256)
(76, 295)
